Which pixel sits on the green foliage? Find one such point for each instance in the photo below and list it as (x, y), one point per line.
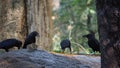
(72, 22)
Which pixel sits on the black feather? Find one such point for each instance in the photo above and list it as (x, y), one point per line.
(30, 38)
(93, 42)
(65, 44)
(9, 43)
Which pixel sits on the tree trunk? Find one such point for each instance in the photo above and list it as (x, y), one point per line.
(39, 19)
(12, 19)
(108, 13)
(20, 17)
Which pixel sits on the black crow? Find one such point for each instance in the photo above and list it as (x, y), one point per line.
(9, 43)
(30, 38)
(93, 42)
(65, 44)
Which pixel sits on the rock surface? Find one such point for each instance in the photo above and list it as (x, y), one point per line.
(42, 59)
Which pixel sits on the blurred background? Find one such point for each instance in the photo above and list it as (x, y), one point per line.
(72, 19)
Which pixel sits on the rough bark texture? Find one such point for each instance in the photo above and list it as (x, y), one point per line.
(108, 12)
(12, 19)
(20, 17)
(39, 19)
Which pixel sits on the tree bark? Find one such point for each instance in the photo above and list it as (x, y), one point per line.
(12, 19)
(20, 17)
(39, 19)
(108, 13)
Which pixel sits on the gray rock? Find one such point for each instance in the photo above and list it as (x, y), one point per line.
(38, 59)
